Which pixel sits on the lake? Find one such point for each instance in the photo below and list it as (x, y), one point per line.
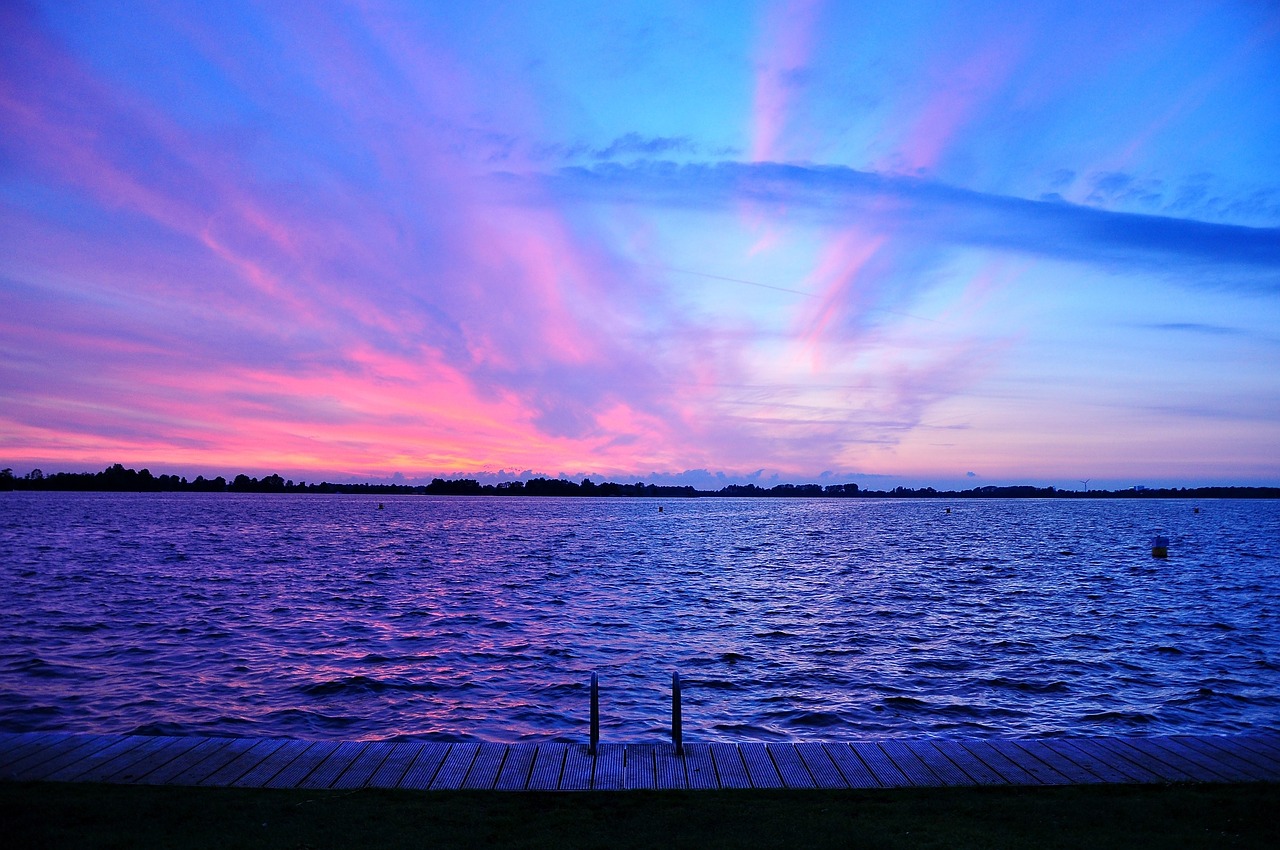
(438, 618)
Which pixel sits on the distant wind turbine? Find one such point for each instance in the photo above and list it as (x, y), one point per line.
(1085, 482)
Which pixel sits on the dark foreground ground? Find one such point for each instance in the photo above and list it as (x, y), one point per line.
(56, 815)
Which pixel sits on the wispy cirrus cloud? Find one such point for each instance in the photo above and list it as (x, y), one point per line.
(787, 32)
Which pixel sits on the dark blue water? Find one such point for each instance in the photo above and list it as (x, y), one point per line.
(435, 618)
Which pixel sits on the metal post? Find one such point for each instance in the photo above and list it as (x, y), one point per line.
(677, 730)
(595, 713)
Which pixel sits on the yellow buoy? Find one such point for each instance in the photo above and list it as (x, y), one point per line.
(1159, 546)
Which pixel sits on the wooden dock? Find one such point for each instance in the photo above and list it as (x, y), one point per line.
(281, 763)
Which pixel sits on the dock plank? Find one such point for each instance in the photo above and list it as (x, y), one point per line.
(579, 768)
(668, 767)
(484, 769)
(699, 767)
(821, 768)
(1009, 771)
(1140, 760)
(425, 765)
(97, 759)
(359, 772)
(1266, 769)
(938, 764)
(264, 771)
(1263, 744)
(1100, 763)
(19, 746)
(1031, 754)
(516, 767)
(332, 767)
(760, 767)
(243, 763)
(1223, 756)
(548, 766)
(886, 772)
(910, 764)
(1258, 748)
(1129, 769)
(790, 766)
(213, 762)
(730, 768)
(454, 768)
(152, 755)
(395, 765)
(1140, 751)
(303, 764)
(978, 771)
(59, 753)
(147, 749)
(640, 770)
(1269, 737)
(283, 763)
(161, 773)
(1204, 767)
(851, 767)
(12, 740)
(610, 769)
(1016, 760)
(1074, 773)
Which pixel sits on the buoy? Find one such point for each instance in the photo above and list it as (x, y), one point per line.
(379, 505)
(1195, 510)
(948, 510)
(659, 508)
(1159, 546)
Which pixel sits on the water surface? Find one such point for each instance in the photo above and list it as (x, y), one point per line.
(481, 619)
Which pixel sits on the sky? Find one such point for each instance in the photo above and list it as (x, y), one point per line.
(944, 244)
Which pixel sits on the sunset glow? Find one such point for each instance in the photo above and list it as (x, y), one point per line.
(945, 244)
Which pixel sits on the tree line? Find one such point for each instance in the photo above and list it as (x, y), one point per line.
(117, 478)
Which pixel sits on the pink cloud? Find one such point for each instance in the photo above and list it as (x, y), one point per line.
(836, 279)
(465, 336)
(787, 44)
(960, 91)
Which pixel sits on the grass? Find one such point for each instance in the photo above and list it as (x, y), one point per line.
(39, 815)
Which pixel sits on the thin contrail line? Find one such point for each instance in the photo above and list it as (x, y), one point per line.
(729, 279)
(775, 289)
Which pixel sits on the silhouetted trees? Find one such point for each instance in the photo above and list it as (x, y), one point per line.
(117, 478)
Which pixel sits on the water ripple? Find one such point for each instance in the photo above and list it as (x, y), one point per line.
(482, 619)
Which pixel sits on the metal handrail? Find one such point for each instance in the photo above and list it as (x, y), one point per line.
(595, 713)
(677, 732)
(677, 719)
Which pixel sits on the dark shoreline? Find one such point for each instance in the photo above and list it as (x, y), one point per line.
(63, 815)
(118, 479)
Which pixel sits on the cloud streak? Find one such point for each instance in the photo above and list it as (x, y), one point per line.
(836, 195)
